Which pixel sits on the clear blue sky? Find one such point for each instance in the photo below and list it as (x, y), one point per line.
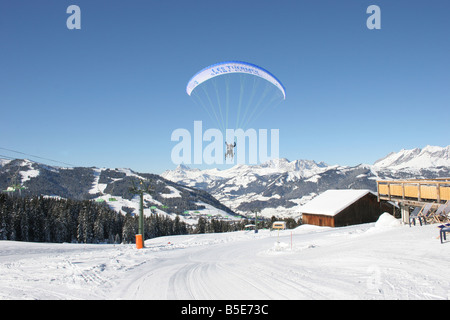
(110, 94)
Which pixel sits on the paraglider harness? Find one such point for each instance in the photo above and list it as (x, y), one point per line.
(230, 149)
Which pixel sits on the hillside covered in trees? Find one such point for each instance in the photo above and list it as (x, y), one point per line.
(46, 219)
(43, 219)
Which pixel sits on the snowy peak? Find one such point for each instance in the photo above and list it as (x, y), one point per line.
(301, 168)
(284, 165)
(428, 157)
(183, 168)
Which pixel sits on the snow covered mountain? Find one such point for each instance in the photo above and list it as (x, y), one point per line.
(244, 174)
(111, 186)
(279, 187)
(428, 157)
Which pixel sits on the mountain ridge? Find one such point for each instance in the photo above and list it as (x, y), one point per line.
(430, 156)
(277, 187)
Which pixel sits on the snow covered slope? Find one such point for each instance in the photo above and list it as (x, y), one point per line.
(382, 260)
(112, 187)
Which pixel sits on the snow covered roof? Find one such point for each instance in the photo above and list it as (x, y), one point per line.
(331, 202)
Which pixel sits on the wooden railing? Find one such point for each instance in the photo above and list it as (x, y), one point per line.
(421, 190)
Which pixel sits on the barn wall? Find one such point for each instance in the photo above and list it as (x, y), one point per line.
(365, 210)
(318, 220)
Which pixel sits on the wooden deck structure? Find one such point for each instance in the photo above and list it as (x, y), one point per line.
(414, 192)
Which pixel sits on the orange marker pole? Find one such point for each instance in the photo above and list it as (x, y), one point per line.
(139, 241)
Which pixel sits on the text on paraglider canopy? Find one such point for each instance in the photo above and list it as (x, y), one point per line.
(233, 68)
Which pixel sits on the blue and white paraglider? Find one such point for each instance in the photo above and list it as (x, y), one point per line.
(232, 67)
(235, 93)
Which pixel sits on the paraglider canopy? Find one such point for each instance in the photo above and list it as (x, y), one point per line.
(232, 67)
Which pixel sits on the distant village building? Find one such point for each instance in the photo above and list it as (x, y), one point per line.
(337, 208)
(279, 225)
(249, 227)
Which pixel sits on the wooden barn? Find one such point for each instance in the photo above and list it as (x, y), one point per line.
(337, 208)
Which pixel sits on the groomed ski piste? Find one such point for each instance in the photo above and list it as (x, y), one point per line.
(382, 260)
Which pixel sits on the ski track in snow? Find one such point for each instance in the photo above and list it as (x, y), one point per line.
(357, 262)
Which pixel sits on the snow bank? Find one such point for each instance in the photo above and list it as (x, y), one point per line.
(305, 228)
(387, 220)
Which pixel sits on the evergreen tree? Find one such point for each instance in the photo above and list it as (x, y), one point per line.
(201, 225)
(129, 229)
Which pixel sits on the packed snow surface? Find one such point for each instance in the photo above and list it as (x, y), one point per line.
(382, 260)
